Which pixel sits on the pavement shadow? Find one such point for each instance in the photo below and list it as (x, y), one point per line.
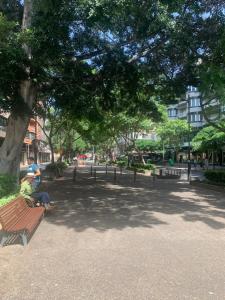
(104, 204)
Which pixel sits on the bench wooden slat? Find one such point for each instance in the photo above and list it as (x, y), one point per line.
(28, 222)
(11, 213)
(18, 217)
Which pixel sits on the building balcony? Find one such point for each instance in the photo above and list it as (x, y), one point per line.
(182, 104)
(195, 109)
(182, 116)
(197, 124)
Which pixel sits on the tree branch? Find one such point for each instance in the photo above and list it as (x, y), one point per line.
(210, 122)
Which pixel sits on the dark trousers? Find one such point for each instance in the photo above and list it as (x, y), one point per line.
(42, 197)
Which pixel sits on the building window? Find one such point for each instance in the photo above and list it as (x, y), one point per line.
(172, 112)
(192, 89)
(195, 102)
(195, 117)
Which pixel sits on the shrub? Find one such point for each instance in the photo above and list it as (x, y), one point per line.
(8, 185)
(112, 162)
(7, 199)
(62, 165)
(56, 168)
(138, 170)
(217, 176)
(144, 167)
(102, 161)
(121, 163)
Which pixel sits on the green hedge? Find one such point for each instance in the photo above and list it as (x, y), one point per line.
(217, 176)
(121, 163)
(8, 185)
(138, 170)
(7, 199)
(102, 161)
(144, 167)
(8, 188)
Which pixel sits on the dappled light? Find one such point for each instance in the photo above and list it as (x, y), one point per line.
(104, 205)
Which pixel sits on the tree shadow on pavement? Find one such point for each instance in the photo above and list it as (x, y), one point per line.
(103, 205)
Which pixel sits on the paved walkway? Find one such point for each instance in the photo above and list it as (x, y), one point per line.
(122, 241)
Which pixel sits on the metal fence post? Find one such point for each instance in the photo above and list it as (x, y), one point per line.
(153, 177)
(74, 174)
(106, 169)
(114, 178)
(91, 170)
(135, 175)
(189, 171)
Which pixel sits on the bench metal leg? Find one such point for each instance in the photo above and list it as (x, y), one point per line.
(24, 238)
(3, 240)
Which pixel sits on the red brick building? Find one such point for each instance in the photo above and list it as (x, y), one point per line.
(34, 143)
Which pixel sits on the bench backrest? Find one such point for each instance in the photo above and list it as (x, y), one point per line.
(11, 212)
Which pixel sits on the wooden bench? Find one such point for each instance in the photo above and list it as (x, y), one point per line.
(17, 218)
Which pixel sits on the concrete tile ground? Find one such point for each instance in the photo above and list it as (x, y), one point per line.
(145, 241)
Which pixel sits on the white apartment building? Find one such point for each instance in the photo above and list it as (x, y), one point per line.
(192, 102)
(190, 109)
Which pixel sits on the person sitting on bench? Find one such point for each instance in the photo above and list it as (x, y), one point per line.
(28, 192)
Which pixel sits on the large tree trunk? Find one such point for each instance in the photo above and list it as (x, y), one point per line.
(10, 152)
(12, 146)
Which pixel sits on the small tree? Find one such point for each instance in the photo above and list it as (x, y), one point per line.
(209, 139)
(172, 133)
(148, 145)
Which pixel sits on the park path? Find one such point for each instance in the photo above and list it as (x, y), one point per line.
(121, 241)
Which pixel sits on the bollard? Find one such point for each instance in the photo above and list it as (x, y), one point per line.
(106, 169)
(153, 176)
(121, 170)
(95, 175)
(91, 170)
(160, 172)
(189, 172)
(74, 174)
(114, 177)
(135, 175)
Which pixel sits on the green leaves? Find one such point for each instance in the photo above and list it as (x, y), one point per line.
(12, 61)
(101, 56)
(173, 132)
(208, 138)
(148, 145)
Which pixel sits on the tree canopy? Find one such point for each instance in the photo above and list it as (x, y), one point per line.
(173, 132)
(98, 57)
(208, 139)
(94, 56)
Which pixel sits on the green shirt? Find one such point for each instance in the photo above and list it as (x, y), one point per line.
(26, 189)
